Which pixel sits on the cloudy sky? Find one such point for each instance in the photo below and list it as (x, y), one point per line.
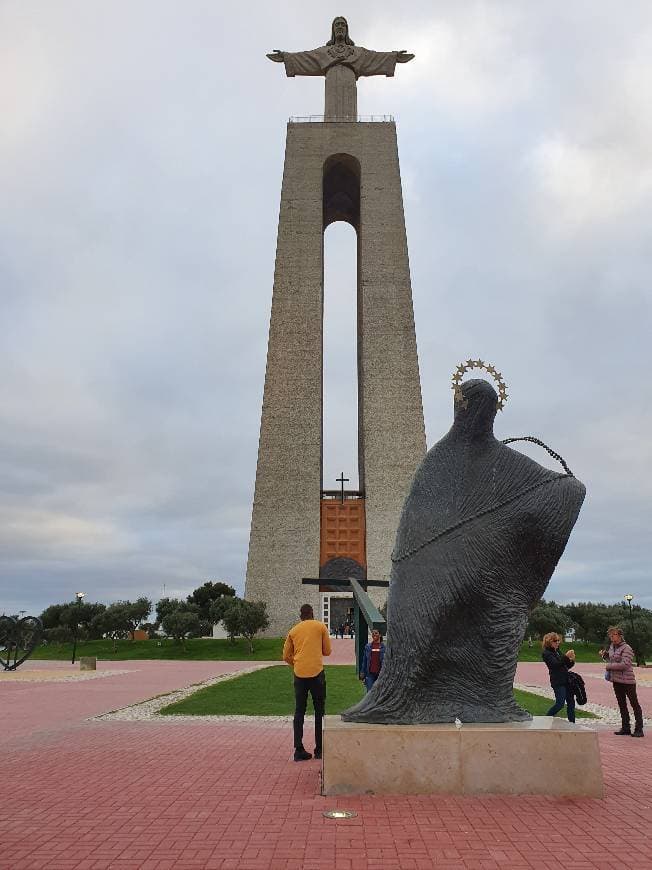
(141, 151)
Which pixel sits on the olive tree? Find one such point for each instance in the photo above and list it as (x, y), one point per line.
(179, 624)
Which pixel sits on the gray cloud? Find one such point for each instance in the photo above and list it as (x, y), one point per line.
(141, 151)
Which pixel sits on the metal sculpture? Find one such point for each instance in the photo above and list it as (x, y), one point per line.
(489, 369)
(18, 639)
(479, 538)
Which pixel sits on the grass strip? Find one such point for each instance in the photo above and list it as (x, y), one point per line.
(270, 692)
(266, 649)
(586, 652)
(537, 705)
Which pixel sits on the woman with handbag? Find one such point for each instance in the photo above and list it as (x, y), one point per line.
(620, 673)
(558, 667)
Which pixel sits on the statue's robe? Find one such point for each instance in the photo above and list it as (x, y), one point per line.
(481, 532)
(342, 66)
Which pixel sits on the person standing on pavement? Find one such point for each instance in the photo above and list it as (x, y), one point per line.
(372, 660)
(620, 673)
(558, 667)
(307, 642)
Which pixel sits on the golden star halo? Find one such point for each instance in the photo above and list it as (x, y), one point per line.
(491, 370)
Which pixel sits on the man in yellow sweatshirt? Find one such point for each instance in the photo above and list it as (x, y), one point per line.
(304, 647)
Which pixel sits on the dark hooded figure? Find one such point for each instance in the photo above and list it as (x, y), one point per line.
(481, 532)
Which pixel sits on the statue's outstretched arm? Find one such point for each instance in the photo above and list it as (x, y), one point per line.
(298, 63)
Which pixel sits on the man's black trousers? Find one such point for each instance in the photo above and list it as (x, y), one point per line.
(317, 688)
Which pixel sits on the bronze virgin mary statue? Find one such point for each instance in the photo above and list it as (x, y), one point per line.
(481, 532)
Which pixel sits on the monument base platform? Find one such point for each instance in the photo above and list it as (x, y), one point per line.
(545, 756)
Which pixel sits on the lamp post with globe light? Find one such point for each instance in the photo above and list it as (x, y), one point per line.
(80, 597)
(629, 599)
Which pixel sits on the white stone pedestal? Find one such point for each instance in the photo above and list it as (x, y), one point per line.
(545, 756)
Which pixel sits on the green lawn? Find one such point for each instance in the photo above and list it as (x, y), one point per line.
(197, 649)
(200, 649)
(269, 692)
(584, 652)
(539, 706)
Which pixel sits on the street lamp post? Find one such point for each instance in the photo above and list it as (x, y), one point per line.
(628, 599)
(80, 597)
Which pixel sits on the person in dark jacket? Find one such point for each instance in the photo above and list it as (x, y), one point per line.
(558, 667)
(372, 660)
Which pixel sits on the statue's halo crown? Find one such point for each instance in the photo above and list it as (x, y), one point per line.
(467, 366)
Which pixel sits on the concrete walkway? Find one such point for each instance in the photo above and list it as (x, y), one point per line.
(32, 708)
(89, 795)
(343, 651)
(533, 676)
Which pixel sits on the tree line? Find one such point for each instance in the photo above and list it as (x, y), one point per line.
(210, 603)
(215, 602)
(590, 621)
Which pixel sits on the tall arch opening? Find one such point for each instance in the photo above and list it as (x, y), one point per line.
(341, 206)
(340, 375)
(341, 190)
(343, 534)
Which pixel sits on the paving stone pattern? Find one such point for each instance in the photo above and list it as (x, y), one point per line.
(89, 795)
(60, 675)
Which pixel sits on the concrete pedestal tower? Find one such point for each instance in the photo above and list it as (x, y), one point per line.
(339, 167)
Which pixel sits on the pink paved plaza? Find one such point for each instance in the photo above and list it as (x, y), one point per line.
(182, 794)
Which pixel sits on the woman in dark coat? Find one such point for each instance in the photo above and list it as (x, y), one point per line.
(558, 667)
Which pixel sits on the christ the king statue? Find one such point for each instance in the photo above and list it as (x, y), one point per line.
(342, 62)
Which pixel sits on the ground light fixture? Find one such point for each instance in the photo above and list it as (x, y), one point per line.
(339, 814)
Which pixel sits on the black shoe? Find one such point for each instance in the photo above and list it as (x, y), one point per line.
(637, 733)
(302, 755)
(318, 752)
(623, 732)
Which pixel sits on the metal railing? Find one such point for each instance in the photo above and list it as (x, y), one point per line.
(336, 494)
(335, 119)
